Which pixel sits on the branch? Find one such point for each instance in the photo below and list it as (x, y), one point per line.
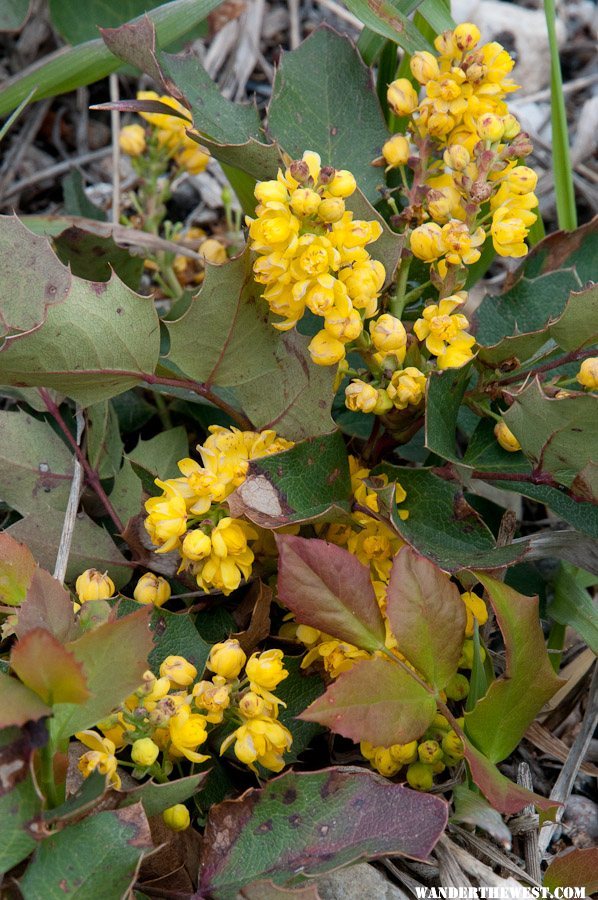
(573, 356)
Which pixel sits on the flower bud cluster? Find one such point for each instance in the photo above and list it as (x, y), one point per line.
(189, 516)
(311, 254)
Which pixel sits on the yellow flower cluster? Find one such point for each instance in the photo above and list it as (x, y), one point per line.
(169, 133)
(189, 271)
(189, 517)
(312, 254)
(443, 331)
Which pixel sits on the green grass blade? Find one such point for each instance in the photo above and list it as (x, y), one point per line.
(73, 67)
(370, 45)
(563, 171)
(15, 115)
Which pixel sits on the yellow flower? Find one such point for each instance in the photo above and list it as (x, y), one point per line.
(179, 671)
(305, 202)
(407, 387)
(360, 396)
(331, 210)
(588, 373)
(466, 36)
(342, 185)
(261, 740)
(429, 752)
(226, 659)
(252, 705)
(396, 151)
(326, 350)
(152, 589)
(337, 656)
(192, 157)
(389, 336)
(506, 438)
(213, 697)
(459, 244)
(176, 817)
(100, 756)
(443, 330)
(404, 753)
(132, 140)
(402, 97)
(167, 517)
(456, 157)
(94, 585)
(213, 251)
(265, 670)
(144, 752)
(187, 731)
(384, 762)
(426, 242)
(424, 66)
(509, 229)
(230, 559)
(196, 545)
(475, 608)
(490, 127)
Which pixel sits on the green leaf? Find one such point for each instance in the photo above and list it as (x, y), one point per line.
(310, 482)
(17, 566)
(323, 820)
(77, 24)
(48, 668)
(387, 248)
(94, 257)
(298, 691)
(328, 588)
(557, 436)
(175, 634)
(104, 444)
(572, 605)
(389, 19)
(426, 615)
(97, 857)
(70, 68)
(443, 400)
(121, 646)
(377, 700)
(13, 14)
(536, 294)
(158, 797)
(574, 868)
(17, 808)
(441, 524)
(159, 455)
(276, 385)
(500, 719)
(473, 809)
(19, 703)
(76, 201)
(320, 91)
(127, 492)
(97, 341)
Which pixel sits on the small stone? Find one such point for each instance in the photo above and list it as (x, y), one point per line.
(358, 882)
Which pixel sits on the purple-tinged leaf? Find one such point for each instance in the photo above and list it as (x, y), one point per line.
(427, 616)
(309, 823)
(377, 701)
(48, 668)
(574, 868)
(140, 106)
(47, 605)
(328, 588)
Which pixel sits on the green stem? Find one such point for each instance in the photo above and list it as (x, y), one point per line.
(416, 293)
(47, 782)
(398, 299)
(556, 640)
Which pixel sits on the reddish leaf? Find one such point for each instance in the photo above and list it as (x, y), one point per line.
(377, 701)
(309, 823)
(328, 588)
(48, 668)
(500, 719)
(19, 704)
(47, 605)
(17, 566)
(574, 868)
(427, 616)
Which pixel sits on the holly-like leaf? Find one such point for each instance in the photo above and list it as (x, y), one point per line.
(297, 692)
(310, 482)
(444, 395)
(573, 868)
(328, 588)
(48, 606)
(175, 634)
(17, 808)
(225, 340)
(572, 605)
(104, 443)
(320, 91)
(557, 435)
(158, 456)
(19, 703)
(500, 719)
(121, 646)
(323, 820)
(48, 668)
(427, 616)
(377, 701)
(158, 797)
(97, 341)
(387, 248)
(17, 566)
(94, 257)
(473, 809)
(97, 857)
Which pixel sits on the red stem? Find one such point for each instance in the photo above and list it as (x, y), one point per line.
(204, 391)
(573, 356)
(90, 474)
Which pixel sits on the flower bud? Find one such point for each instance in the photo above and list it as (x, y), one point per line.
(327, 173)
(196, 545)
(144, 752)
(385, 763)
(94, 585)
(305, 202)
(511, 126)
(439, 206)
(344, 327)
(407, 387)
(342, 185)
(588, 373)
(429, 752)
(331, 210)
(520, 146)
(396, 151)
(226, 659)
(299, 170)
(426, 242)
(360, 396)
(152, 589)
(176, 817)
(270, 192)
(266, 669)
(383, 403)
(456, 157)
(506, 438)
(213, 252)
(490, 127)
(402, 97)
(326, 350)
(466, 36)
(131, 140)
(424, 66)
(452, 745)
(180, 672)
(420, 776)
(404, 753)
(457, 687)
(252, 705)
(388, 334)
(522, 180)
